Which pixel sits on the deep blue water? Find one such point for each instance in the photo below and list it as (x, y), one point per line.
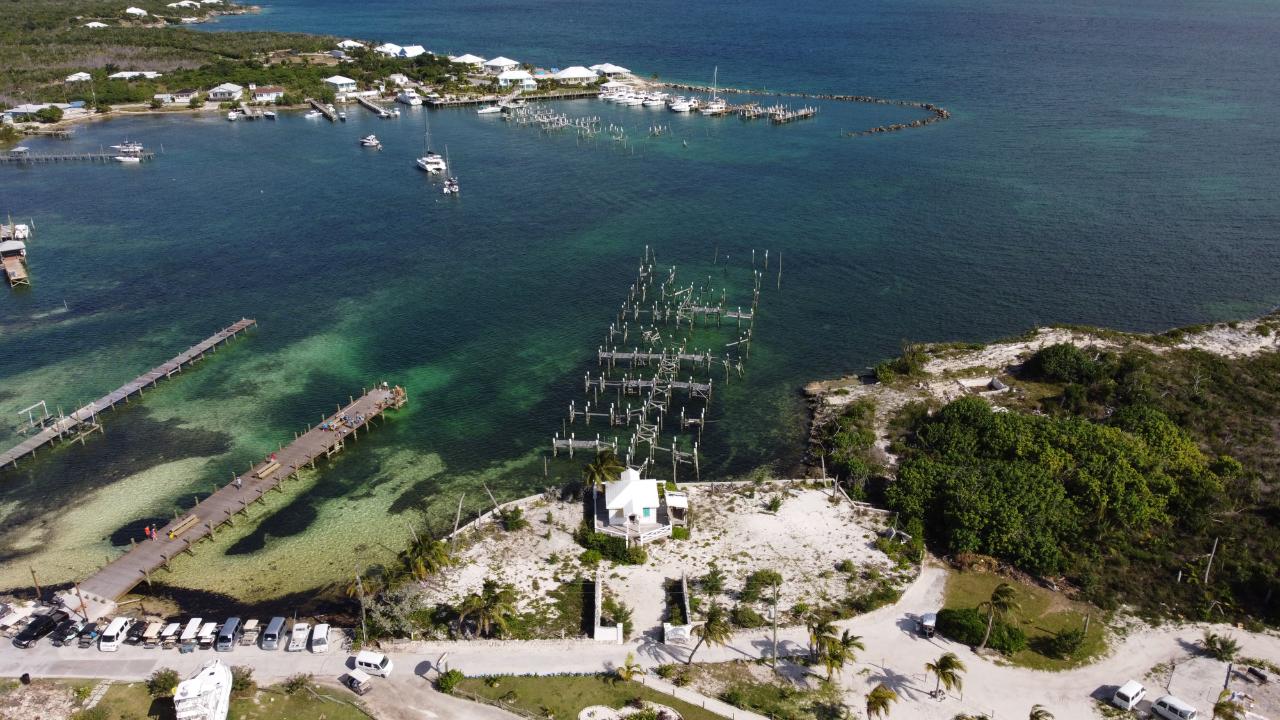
(1107, 165)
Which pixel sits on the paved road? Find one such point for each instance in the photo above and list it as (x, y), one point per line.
(894, 656)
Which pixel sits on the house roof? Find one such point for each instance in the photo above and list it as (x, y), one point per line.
(515, 75)
(467, 59)
(631, 491)
(677, 500)
(389, 48)
(500, 62)
(227, 87)
(577, 72)
(95, 24)
(269, 89)
(350, 44)
(186, 92)
(135, 11)
(77, 77)
(339, 80)
(609, 69)
(412, 50)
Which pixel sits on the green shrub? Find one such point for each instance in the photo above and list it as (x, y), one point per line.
(713, 582)
(609, 546)
(744, 617)
(845, 566)
(884, 593)
(1062, 362)
(297, 683)
(774, 504)
(679, 533)
(242, 683)
(448, 681)
(591, 557)
(1063, 644)
(513, 519)
(758, 582)
(636, 556)
(967, 625)
(162, 682)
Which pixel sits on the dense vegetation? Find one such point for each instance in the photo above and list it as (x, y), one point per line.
(1137, 463)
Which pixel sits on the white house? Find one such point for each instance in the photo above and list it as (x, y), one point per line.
(79, 77)
(341, 84)
(521, 78)
(166, 98)
(388, 49)
(135, 11)
(576, 75)
(632, 500)
(268, 94)
(412, 51)
(350, 45)
(609, 70)
(185, 96)
(95, 24)
(135, 74)
(500, 65)
(184, 4)
(398, 79)
(226, 92)
(468, 59)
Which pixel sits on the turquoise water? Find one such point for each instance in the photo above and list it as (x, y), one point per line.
(1105, 165)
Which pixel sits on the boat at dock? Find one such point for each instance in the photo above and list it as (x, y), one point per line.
(233, 116)
(127, 159)
(371, 141)
(128, 148)
(313, 114)
(13, 256)
(409, 97)
(680, 104)
(269, 114)
(206, 695)
(489, 110)
(715, 104)
(655, 99)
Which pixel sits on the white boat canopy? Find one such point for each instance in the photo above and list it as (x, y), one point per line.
(9, 246)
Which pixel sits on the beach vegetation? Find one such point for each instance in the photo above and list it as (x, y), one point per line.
(448, 680)
(162, 682)
(565, 696)
(713, 630)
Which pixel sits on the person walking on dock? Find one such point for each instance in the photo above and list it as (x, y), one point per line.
(238, 482)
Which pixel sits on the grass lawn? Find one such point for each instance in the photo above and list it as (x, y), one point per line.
(1042, 614)
(566, 695)
(131, 702)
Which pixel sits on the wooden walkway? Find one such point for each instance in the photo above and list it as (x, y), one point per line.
(29, 158)
(147, 556)
(85, 420)
(323, 109)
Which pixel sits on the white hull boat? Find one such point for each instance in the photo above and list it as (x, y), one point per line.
(489, 110)
(371, 141)
(128, 159)
(206, 695)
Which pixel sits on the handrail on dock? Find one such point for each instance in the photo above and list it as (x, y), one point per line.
(85, 419)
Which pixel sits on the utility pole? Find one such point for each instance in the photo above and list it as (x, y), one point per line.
(364, 629)
(775, 626)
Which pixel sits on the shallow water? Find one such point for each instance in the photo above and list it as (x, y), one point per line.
(1105, 165)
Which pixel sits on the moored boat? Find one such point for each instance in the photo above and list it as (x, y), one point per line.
(206, 695)
(371, 141)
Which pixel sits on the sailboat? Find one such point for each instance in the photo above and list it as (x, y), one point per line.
(716, 105)
(451, 182)
(431, 162)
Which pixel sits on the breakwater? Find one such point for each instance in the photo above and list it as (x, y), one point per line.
(937, 113)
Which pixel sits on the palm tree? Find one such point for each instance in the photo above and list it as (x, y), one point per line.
(714, 630)
(1003, 601)
(841, 651)
(821, 632)
(1039, 712)
(630, 669)
(492, 608)
(424, 558)
(604, 469)
(879, 700)
(1226, 708)
(947, 669)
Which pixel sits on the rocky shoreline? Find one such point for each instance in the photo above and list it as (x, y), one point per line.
(937, 113)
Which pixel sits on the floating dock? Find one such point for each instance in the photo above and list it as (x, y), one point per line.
(98, 593)
(84, 421)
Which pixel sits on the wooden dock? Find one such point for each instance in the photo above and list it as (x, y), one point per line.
(323, 109)
(101, 590)
(85, 420)
(487, 99)
(373, 106)
(29, 158)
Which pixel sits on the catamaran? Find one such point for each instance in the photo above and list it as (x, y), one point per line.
(431, 162)
(205, 695)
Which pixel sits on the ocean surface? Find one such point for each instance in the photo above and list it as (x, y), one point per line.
(1112, 164)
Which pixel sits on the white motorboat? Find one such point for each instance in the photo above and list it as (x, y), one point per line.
(233, 115)
(655, 99)
(680, 104)
(313, 114)
(489, 110)
(371, 141)
(128, 148)
(127, 159)
(206, 695)
(633, 100)
(269, 114)
(342, 116)
(409, 96)
(432, 163)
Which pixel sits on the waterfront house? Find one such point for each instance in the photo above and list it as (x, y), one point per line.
(268, 94)
(350, 45)
(185, 96)
(517, 78)
(609, 70)
(388, 49)
(631, 499)
(576, 75)
(499, 65)
(226, 92)
(340, 84)
(398, 79)
(134, 75)
(468, 59)
(135, 11)
(79, 77)
(166, 98)
(412, 51)
(95, 24)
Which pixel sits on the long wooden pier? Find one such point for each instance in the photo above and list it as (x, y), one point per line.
(485, 99)
(323, 109)
(85, 420)
(30, 158)
(99, 592)
(373, 106)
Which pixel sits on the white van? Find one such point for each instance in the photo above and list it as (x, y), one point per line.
(320, 638)
(1171, 708)
(374, 663)
(114, 634)
(298, 637)
(1128, 695)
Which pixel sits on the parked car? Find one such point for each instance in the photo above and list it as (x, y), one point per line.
(39, 627)
(927, 625)
(1171, 708)
(67, 632)
(374, 663)
(89, 635)
(358, 681)
(1128, 695)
